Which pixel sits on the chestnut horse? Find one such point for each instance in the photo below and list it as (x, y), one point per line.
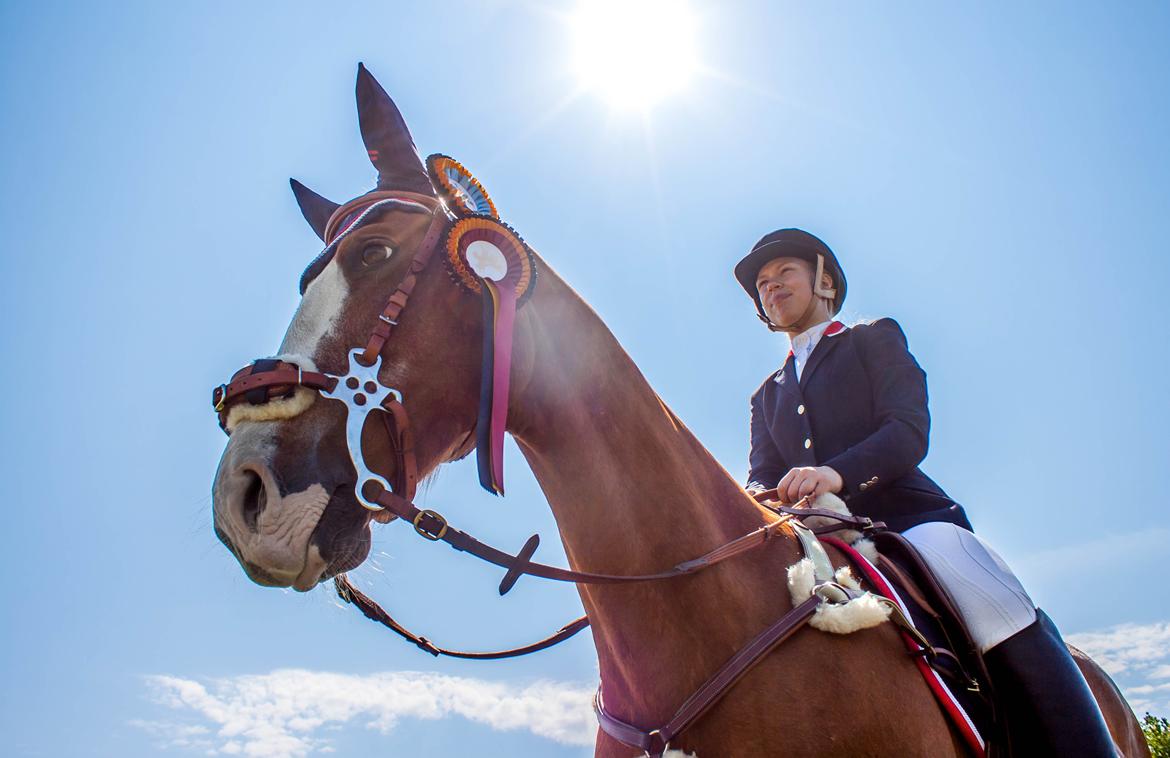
(631, 488)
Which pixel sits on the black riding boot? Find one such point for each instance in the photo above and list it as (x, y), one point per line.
(1043, 697)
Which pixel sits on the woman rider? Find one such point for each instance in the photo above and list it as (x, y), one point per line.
(847, 414)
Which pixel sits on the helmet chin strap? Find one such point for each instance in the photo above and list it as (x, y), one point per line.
(829, 293)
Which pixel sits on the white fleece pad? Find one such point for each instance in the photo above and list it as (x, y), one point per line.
(276, 409)
(836, 618)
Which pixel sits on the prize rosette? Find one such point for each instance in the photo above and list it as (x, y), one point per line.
(461, 192)
(488, 258)
(480, 247)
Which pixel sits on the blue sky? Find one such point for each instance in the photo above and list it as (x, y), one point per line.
(995, 177)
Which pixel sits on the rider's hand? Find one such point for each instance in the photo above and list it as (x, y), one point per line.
(808, 480)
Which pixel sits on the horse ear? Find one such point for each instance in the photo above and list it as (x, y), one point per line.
(316, 209)
(387, 138)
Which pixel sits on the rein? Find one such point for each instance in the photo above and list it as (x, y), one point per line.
(361, 391)
(432, 526)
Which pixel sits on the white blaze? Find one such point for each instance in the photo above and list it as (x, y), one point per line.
(319, 312)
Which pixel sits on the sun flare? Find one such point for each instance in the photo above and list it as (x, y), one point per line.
(634, 53)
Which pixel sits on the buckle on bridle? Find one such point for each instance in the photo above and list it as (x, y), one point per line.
(422, 530)
(219, 397)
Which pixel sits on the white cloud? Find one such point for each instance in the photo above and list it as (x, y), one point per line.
(1137, 656)
(288, 712)
(174, 735)
(283, 713)
(1127, 647)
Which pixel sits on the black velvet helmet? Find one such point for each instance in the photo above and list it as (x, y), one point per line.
(795, 243)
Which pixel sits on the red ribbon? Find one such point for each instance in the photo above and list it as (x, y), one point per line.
(499, 324)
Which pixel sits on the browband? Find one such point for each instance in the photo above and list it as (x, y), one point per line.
(352, 215)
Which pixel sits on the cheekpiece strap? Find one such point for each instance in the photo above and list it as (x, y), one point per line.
(388, 319)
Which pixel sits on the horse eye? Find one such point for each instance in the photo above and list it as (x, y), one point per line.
(376, 253)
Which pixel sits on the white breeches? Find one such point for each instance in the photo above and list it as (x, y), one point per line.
(988, 595)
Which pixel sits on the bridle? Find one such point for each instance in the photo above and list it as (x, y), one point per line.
(359, 388)
(361, 392)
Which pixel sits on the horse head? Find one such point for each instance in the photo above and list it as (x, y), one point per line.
(288, 500)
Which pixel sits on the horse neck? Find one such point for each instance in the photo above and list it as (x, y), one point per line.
(633, 491)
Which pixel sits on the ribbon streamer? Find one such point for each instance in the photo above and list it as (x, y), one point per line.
(499, 319)
(502, 274)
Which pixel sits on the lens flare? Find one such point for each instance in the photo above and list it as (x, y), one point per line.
(634, 53)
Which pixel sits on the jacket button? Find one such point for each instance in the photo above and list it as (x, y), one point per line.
(807, 443)
(800, 409)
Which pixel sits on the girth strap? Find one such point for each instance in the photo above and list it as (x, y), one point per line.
(655, 741)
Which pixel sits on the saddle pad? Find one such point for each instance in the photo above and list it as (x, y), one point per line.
(946, 698)
(936, 616)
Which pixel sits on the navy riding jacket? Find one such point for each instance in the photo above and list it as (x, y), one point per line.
(860, 408)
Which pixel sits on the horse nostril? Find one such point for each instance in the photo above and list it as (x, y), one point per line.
(254, 497)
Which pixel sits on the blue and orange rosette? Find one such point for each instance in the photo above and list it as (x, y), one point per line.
(460, 191)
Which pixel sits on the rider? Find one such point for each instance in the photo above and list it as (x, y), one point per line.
(847, 414)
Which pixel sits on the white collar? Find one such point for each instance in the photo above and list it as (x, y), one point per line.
(807, 340)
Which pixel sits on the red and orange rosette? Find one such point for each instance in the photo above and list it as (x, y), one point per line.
(481, 247)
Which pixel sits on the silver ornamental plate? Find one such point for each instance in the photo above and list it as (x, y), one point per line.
(361, 393)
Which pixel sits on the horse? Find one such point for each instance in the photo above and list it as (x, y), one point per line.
(632, 490)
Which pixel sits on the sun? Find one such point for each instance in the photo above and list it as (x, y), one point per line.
(634, 53)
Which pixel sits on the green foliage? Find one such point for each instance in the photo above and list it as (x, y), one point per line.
(1157, 732)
